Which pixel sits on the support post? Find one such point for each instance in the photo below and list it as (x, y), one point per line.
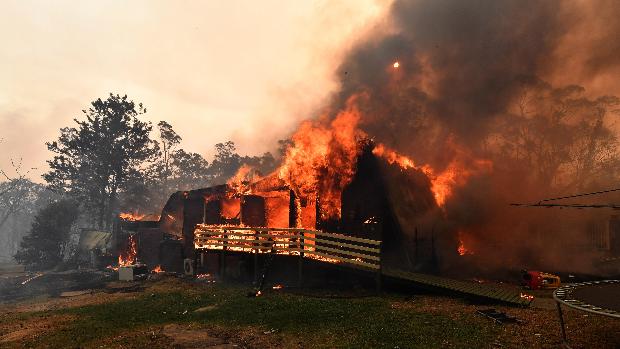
(300, 244)
(256, 245)
(378, 276)
(204, 211)
(560, 315)
(196, 262)
(415, 251)
(223, 257)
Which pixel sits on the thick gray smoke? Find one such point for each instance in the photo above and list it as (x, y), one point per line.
(481, 80)
(475, 53)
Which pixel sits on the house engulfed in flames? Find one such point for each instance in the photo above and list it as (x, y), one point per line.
(382, 201)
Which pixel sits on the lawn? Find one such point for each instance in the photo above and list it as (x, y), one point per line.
(163, 313)
(290, 319)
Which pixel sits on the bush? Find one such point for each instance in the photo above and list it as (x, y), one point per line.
(43, 247)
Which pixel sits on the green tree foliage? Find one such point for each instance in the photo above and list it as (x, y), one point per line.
(101, 156)
(44, 245)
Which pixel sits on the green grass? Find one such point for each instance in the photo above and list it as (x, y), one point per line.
(317, 322)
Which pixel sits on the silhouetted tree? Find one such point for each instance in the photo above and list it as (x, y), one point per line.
(559, 136)
(20, 201)
(97, 159)
(226, 162)
(45, 243)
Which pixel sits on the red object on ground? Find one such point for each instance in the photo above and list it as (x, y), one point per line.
(536, 280)
(532, 279)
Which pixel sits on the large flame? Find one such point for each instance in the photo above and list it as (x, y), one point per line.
(442, 182)
(322, 158)
(128, 257)
(321, 162)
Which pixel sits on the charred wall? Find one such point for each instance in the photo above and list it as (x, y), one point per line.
(385, 202)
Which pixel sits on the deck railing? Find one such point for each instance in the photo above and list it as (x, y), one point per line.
(333, 248)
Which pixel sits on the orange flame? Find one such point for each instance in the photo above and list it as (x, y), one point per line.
(392, 157)
(240, 182)
(128, 216)
(322, 158)
(157, 270)
(321, 162)
(442, 183)
(462, 250)
(128, 257)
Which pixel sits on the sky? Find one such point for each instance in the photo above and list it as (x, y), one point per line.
(247, 71)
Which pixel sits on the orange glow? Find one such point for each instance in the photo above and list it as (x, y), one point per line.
(231, 207)
(134, 217)
(526, 296)
(396, 65)
(240, 182)
(462, 250)
(128, 216)
(276, 211)
(307, 214)
(128, 257)
(157, 270)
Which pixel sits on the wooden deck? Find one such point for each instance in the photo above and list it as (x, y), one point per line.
(339, 249)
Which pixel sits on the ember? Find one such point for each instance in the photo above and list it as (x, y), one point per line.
(526, 296)
(462, 250)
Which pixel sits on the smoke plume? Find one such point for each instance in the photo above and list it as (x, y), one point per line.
(515, 83)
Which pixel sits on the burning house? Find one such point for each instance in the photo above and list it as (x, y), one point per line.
(469, 113)
(382, 200)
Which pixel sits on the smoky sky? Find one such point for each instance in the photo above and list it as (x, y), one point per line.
(218, 70)
(463, 65)
(462, 62)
